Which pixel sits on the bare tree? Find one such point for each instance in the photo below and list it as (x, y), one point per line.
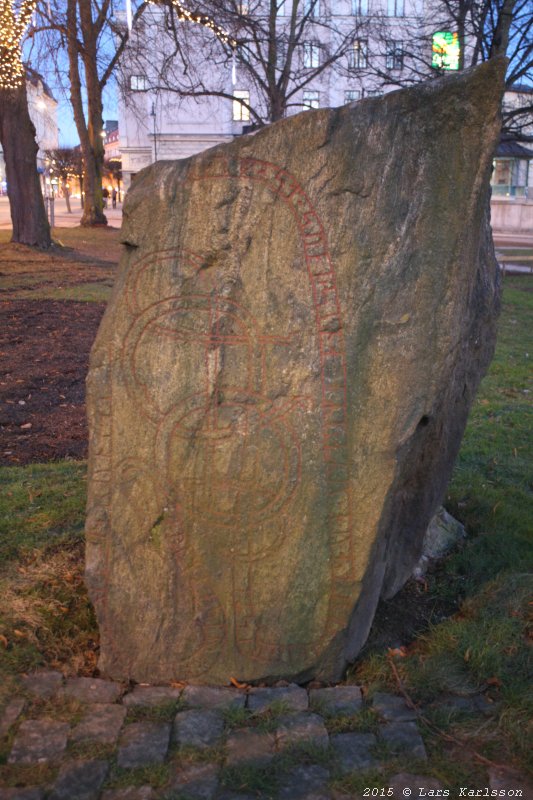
(66, 164)
(17, 132)
(86, 31)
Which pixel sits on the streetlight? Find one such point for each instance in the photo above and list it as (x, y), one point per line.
(152, 114)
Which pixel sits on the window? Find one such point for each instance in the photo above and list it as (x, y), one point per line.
(372, 93)
(358, 56)
(311, 100)
(241, 113)
(396, 8)
(243, 8)
(394, 55)
(138, 83)
(283, 8)
(351, 95)
(311, 8)
(360, 8)
(311, 55)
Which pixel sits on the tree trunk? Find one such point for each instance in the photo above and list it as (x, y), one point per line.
(92, 146)
(66, 195)
(17, 134)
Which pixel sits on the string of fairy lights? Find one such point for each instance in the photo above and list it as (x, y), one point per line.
(13, 26)
(206, 21)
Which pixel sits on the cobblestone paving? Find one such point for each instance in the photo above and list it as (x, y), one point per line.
(91, 739)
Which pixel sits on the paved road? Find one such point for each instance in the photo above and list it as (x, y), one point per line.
(62, 218)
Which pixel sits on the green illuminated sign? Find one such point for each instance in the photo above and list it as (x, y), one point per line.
(445, 50)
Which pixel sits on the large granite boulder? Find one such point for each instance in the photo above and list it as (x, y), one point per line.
(281, 380)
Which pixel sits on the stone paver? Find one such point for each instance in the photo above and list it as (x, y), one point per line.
(43, 682)
(38, 741)
(213, 697)
(199, 728)
(152, 696)
(293, 697)
(143, 743)
(337, 701)
(29, 793)
(353, 751)
(392, 708)
(419, 785)
(197, 782)
(130, 793)
(81, 780)
(91, 690)
(299, 728)
(101, 724)
(403, 737)
(475, 704)
(11, 713)
(249, 747)
(306, 782)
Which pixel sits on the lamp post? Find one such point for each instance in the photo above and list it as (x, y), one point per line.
(152, 114)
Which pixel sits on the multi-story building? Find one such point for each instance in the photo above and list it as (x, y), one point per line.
(347, 50)
(42, 106)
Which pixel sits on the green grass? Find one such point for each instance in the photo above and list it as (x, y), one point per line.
(82, 292)
(40, 505)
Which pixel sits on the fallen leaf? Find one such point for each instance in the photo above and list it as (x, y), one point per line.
(19, 634)
(235, 682)
(3, 640)
(26, 426)
(397, 652)
(494, 681)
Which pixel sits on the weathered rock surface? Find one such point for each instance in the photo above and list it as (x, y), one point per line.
(281, 381)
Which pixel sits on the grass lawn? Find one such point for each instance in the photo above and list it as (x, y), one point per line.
(45, 616)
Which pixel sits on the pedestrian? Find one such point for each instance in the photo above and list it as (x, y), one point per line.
(114, 197)
(105, 195)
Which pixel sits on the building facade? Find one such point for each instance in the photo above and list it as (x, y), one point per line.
(330, 66)
(42, 106)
